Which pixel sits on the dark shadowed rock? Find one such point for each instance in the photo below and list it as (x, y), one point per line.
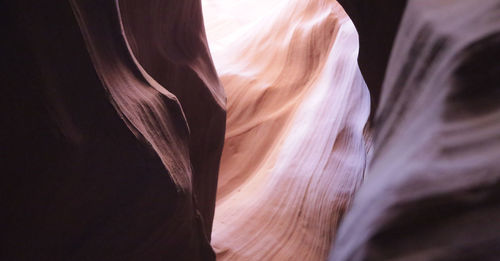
(100, 161)
(377, 23)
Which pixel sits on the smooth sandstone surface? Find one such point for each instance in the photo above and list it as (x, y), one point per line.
(297, 105)
(432, 189)
(114, 125)
(114, 119)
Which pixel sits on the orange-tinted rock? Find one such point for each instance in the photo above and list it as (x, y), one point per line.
(294, 151)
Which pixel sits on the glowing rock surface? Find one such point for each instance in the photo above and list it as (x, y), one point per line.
(297, 105)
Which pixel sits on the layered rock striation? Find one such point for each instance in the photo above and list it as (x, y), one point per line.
(114, 125)
(432, 188)
(118, 143)
(294, 149)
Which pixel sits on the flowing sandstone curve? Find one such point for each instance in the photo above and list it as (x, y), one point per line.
(115, 125)
(432, 189)
(297, 105)
(113, 121)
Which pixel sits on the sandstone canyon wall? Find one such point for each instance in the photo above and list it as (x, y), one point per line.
(114, 121)
(113, 129)
(294, 151)
(432, 189)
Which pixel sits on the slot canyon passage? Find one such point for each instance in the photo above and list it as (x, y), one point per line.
(250, 130)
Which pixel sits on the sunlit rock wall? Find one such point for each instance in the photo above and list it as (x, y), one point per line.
(114, 119)
(297, 105)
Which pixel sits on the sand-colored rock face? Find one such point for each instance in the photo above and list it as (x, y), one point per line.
(113, 124)
(294, 151)
(432, 190)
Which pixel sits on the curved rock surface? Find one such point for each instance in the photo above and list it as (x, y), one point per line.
(294, 149)
(114, 119)
(377, 23)
(115, 125)
(432, 190)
